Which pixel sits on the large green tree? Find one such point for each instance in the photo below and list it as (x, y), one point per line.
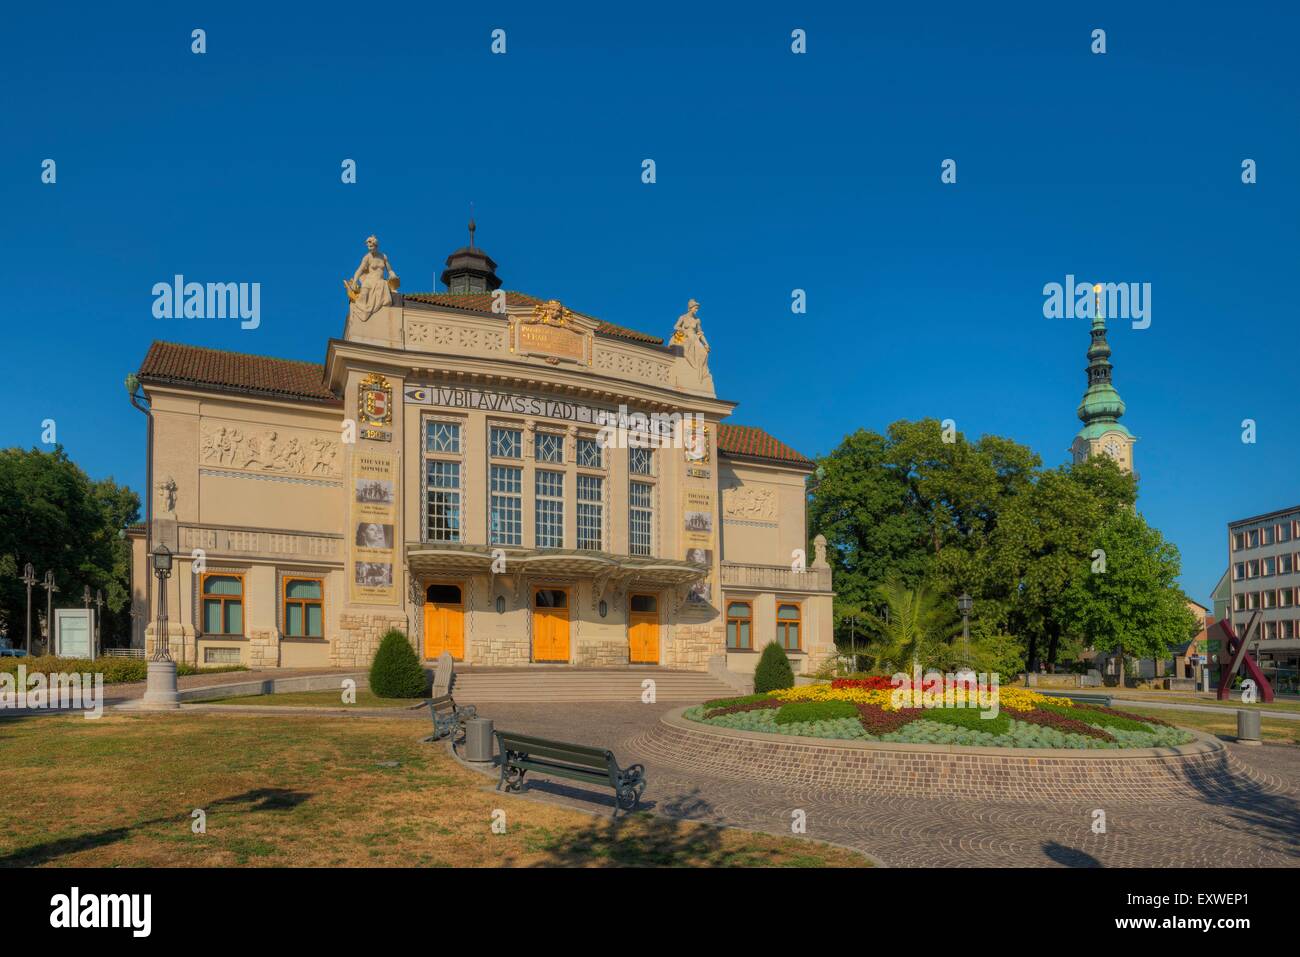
(921, 505)
(1126, 600)
(54, 516)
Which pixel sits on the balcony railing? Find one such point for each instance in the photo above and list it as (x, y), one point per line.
(775, 577)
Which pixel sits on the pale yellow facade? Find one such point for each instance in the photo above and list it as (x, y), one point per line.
(383, 497)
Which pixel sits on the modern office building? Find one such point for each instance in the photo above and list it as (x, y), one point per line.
(1264, 575)
(495, 474)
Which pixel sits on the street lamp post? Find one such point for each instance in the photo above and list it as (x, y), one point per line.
(99, 631)
(160, 692)
(50, 589)
(964, 605)
(29, 579)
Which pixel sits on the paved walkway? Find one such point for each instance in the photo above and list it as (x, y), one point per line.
(1258, 825)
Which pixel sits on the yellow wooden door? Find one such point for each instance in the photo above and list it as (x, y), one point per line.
(643, 630)
(444, 624)
(550, 625)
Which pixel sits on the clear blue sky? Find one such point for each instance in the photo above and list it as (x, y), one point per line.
(775, 171)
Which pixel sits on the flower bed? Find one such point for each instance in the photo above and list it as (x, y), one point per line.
(1024, 719)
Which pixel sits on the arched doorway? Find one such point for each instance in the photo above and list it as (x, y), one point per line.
(444, 620)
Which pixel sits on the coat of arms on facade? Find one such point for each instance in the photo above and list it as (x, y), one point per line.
(375, 406)
(549, 313)
(553, 334)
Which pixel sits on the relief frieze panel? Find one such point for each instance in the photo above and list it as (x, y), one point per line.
(283, 451)
(749, 501)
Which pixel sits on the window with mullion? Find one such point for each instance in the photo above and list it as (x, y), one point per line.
(506, 517)
(640, 516)
(549, 489)
(589, 454)
(505, 443)
(442, 501)
(549, 447)
(223, 605)
(304, 608)
(591, 512)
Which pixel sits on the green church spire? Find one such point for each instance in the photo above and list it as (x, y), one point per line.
(1101, 407)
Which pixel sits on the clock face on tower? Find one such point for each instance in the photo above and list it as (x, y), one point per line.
(1114, 448)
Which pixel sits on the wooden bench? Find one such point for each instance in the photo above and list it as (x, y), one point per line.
(449, 718)
(520, 754)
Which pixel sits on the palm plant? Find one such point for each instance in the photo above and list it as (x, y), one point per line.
(915, 626)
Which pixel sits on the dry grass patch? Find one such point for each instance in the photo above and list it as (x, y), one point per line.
(310, 791)
(330, 698)
(1274, 730)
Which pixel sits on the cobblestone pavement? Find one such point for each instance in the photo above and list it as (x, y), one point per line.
(1256, 824)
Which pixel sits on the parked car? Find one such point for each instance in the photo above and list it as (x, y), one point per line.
(13, 652)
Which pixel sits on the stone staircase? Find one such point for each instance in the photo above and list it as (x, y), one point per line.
(472, 686)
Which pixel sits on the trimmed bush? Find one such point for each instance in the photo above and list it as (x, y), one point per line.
(796, 711)
(773, 672)
(733, 702)
(115, 670)
(396, 671)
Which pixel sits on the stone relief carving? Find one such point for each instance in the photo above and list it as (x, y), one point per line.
(637, 366)
(432, 334)
(749, 501)
(269, 450)
(167, 494)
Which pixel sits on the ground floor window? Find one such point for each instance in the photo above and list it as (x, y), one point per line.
(787, 626)
(304, 608)
(740, 621)
(223, 605)
(221, 656)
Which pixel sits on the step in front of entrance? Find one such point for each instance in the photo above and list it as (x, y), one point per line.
(529, 685)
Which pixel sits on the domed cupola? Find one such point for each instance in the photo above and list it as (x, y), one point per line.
(470, 269)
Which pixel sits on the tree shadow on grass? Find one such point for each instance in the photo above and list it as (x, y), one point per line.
(1069, 856)
(639, 840)
(258, 799)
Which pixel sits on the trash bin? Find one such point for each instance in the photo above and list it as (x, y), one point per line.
(478, 740)
(1248, 727)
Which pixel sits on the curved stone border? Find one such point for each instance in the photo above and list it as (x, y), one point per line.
(946, 770)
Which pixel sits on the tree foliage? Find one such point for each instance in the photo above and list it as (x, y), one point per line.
(927, 514)
(54, 516)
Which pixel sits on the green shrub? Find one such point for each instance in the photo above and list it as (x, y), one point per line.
(795, 711)
(396, 671)
(773, 672)
(732, 702)
(1095, 716)
(969, 718)
(114, 670)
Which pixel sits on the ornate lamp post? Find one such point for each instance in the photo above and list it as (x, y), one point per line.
(160, 692)
(50, 589)
(99, 631)
(964, 604)
(29, 579)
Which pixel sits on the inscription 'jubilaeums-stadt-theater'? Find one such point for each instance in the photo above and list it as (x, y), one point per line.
(496, 475)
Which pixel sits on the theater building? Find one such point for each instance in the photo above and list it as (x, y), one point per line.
(497, 475)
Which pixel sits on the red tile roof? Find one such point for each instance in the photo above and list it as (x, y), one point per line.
(755, 443)
(482, 302)
(172, 362)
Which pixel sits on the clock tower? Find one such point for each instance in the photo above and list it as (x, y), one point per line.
(1101, 408)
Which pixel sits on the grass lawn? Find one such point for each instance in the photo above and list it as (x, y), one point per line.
(1275, 730)
(308, 790)
(331, 698)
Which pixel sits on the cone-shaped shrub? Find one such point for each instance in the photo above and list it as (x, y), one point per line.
(773, 672)
(396, 672)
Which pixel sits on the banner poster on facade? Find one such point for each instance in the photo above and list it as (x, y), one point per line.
(697, 535)
(371, 535)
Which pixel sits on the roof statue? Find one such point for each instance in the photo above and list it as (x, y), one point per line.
(369, 290)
